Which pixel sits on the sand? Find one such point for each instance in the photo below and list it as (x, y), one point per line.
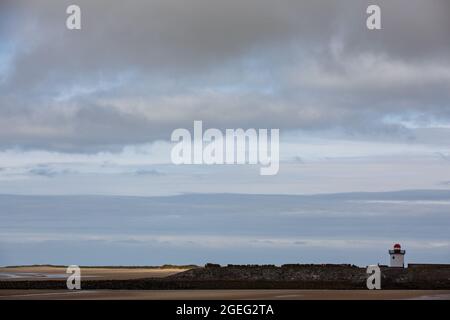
(224, 294)
(58, 273)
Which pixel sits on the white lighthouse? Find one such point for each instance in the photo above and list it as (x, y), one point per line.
(397, 256)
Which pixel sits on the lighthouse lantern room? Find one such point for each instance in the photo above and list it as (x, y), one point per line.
(397, 256)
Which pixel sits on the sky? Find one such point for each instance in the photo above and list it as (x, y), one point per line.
(356, 228)
(100, 103)
(104, 100)
(90, 111)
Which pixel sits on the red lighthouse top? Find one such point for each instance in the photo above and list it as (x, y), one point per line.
(397, 249)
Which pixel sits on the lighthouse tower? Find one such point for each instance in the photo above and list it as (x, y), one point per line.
(397, 256)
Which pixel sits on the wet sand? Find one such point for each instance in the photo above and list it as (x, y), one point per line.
(58, 273)
(224, 294)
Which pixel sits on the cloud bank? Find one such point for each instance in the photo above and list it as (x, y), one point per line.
(137, 71)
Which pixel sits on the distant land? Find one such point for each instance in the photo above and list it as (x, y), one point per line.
(213, 276)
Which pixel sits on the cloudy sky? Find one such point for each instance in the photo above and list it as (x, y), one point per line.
(90, 112)
(354, 228)
(100, 104)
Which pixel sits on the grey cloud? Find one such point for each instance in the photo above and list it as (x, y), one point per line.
(184, 38)
(443, 156)
(137, 71)
(49, 172)
(298, 159)
(146, 172)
